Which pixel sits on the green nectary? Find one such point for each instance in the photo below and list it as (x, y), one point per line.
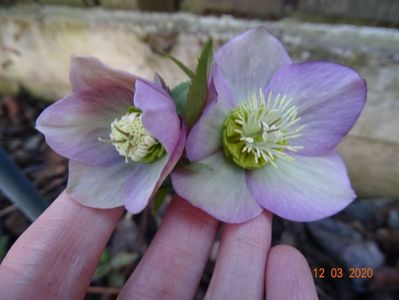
(257, 132)
(233, 145)
(156, 152)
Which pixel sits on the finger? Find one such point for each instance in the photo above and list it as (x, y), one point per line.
(288, 275)
(173, 264)
(240, 264)
(56, 256)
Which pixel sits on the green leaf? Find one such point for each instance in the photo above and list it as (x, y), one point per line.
(193, 166)
(102, 271)
(159, 198)
(179, 94)
(123, 259)
(109, 263)
(198, 91)
(4, 239)
(105, 256)
(182, 66)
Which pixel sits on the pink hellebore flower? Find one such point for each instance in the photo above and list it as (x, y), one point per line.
(122, 135)
(266, 138)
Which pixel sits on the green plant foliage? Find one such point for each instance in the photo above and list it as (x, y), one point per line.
(159, 198)
(3, 245)
(198, 91)
(109, 263)
(179, 94)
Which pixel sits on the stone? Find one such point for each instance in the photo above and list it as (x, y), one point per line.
(158, 5)
(348, 248)
(365, 254)
(367, 210)
(120, 4)
(369, 161)
(68, 2)
(334, 236)
(377, 10)
(257, 8)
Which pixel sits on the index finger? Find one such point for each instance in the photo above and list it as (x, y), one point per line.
(57, 255)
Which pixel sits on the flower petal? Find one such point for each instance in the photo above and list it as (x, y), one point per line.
(306, 189)
(73, 125)
(98, 187)
(218, 187)
(141, 184)
(249, 60)
(90, 73)
(205, 137)
(159, 115)
(132, 184)
(329, 98)
(145, 181)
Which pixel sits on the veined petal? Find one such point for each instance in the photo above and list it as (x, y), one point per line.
(249, 60)
(73, 125)
(130, 184)
(88, 73)
(218, 187)
(98, 187)
(159, 115)
(145, 181)
(305, 189)
(142, 184)
(205, 137)
(329, 98)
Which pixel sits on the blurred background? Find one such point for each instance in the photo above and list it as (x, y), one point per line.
(37, 39)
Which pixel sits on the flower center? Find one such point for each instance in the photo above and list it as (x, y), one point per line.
(259, 131)
(131, 139)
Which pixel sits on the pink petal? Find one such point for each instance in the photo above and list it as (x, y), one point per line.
(249, 60)
(205, 137)
(98, 187)
(306, 189)
(88, 73)
(329, 98)
(145, 180)
(73, 125)
(218, 187)
(159, 113)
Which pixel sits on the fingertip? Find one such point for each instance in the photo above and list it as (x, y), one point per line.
(288, 275)
(240, 263)
(288, 254)
(174, 262)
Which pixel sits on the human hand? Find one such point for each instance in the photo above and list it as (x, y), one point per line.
(57, 255)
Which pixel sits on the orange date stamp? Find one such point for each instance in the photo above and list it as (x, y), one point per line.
(341, 273)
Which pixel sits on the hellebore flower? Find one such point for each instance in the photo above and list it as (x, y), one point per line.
(121, 134)
(266, 138)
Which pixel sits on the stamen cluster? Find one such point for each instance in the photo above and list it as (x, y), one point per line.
(259, 130)
(130, 138)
